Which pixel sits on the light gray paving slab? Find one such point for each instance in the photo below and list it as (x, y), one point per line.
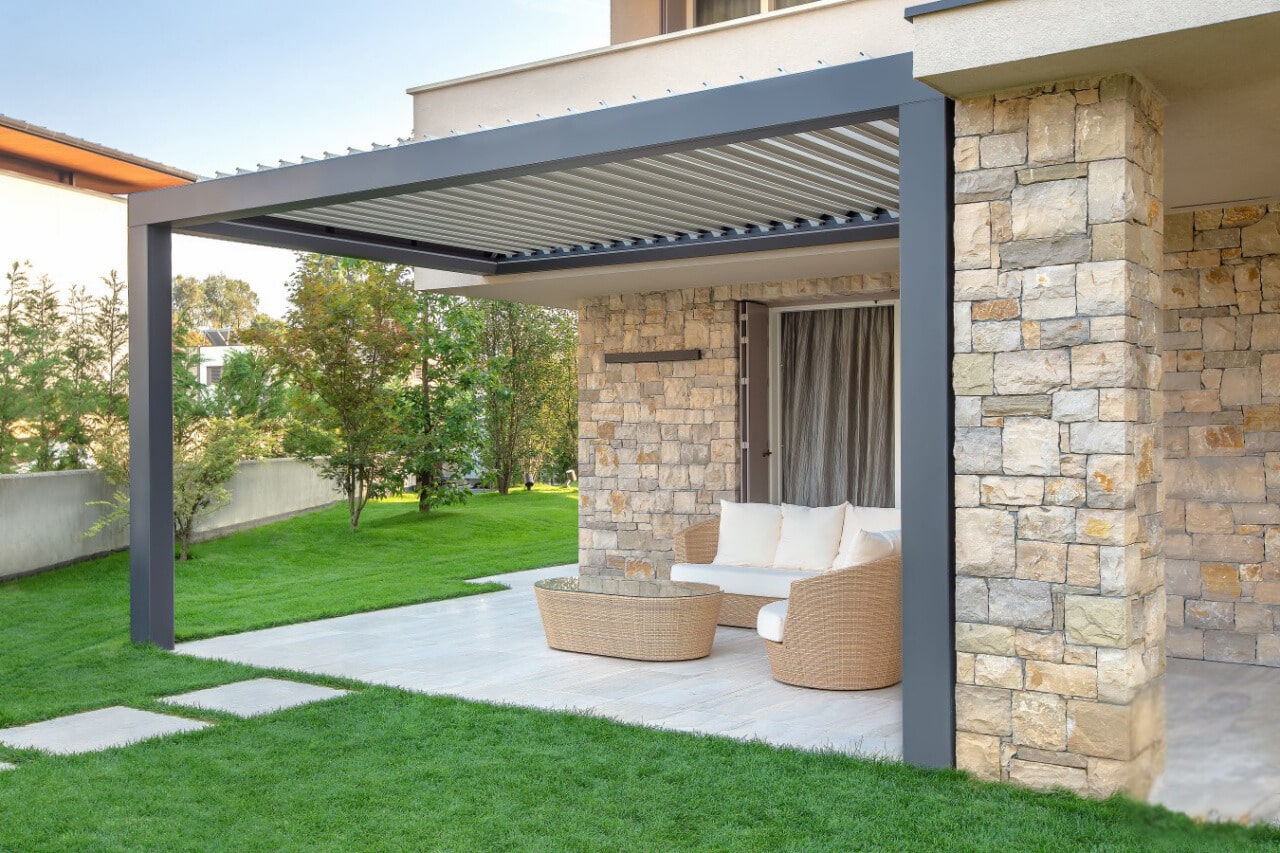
(4, 765)
(255, 697)
(1222, 756)
(491, 648)
(96, 730)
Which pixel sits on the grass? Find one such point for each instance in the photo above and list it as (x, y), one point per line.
(386, 770)
(64, 635)
(383, 769)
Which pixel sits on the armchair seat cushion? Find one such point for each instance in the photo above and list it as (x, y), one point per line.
(771, 621)
(741, 580)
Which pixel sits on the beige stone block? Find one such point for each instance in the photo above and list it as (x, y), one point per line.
(1217, 288)
(1221, 580)
(974, 115)
(1039, 645)
(1031, 372)
(1064, 491)
(1115, 191)
(1107, 526)
(985, 542)
(1099, 729)
(1226, 440)
(1102, 288)
(972, 374)
(1208, 518)
(979, 754)
(1177, 232)
(1101, 131)
(1062, 679)
(1020, 603)
(1051, 128)
(1105, 365)
(1050, 209)
(1094, 620)
(997, 671)
(1012, 491)
(1223, 479)
(981, 638)
(1083, 565)
(1042, 561)
(1227, 548)
(1031, 447)
(1046, 777)
(1111, 481)
(983, 710)
(972, 231)
(1271, 375)
(1003, 149)
(1039, 720)
(1263, 237)
(996, 337)
(966, 153)
(1047, 524)
(1241, 386)
(982, 284)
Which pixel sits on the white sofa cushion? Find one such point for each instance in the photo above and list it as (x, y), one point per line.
(771, 621)
(858, 518)
(741, 580)
(870, 545)
(748, 534)
(810, 537)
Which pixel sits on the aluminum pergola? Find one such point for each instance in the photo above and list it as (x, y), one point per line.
(836, 155)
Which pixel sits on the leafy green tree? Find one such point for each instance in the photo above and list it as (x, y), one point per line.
(529, 354)
(206, 451)
(441, 430)
(43, 369)
(348, 343)
(214, 302)
(13, 401)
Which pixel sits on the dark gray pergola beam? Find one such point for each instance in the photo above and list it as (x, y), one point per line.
(882, 228)
(151, 436)
(303, 237)
(790, 103)
(928, 426)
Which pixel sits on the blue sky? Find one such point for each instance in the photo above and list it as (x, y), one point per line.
(214, 85)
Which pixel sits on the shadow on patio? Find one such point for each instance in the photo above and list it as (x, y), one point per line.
(491, 648)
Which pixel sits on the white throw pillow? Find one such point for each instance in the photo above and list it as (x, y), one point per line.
(810, 537)
(868, 546)
(748, 534)
(858, 518)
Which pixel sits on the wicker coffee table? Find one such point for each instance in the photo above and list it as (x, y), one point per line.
(640, 620)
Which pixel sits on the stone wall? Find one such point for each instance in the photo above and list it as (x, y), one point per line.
(1222, 433)
(658, 441)
(1060, 601)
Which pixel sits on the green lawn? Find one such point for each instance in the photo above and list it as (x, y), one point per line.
(64, 635)
(388, 770)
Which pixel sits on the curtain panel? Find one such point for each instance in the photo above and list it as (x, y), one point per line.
(837, 401)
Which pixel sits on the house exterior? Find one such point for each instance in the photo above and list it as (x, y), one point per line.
(62, 205)
(1074, 208)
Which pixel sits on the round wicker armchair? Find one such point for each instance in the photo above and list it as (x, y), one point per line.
(843, 629)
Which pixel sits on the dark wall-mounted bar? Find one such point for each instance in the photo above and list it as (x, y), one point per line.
(641, 357)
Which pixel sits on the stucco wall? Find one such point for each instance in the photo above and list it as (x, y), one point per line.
(658, 442)
(43, 517)
(1222, 433)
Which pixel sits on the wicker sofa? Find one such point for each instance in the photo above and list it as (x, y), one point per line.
(696, 546)
(841, 630)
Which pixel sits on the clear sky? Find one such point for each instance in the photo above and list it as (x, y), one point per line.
(209, 86)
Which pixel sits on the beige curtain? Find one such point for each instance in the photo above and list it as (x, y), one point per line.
(837, 407)
(715, 11)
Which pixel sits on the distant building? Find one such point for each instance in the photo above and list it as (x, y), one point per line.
(214, 355)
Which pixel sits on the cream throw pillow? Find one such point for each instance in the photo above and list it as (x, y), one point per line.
(860, 518)
(748, 534)
(810, 537)
(868, 546)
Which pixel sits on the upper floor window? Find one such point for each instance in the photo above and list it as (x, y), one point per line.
(704, 12)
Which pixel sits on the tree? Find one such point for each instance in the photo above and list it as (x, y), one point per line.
(206, 450)
(13, 402)
(215, 302)
(440, 433)
(81, 387)
(348, 341)
(529, 354)
(42, 369)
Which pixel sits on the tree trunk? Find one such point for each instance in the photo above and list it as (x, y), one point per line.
(504, 482)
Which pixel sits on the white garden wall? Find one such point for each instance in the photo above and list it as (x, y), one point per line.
(43, 517)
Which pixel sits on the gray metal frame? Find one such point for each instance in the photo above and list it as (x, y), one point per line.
(913, 12)
(241, 208)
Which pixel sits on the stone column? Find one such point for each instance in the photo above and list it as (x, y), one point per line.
(1060, 582)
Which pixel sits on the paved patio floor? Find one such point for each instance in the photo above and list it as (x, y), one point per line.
(1222, 757)
(491, 648)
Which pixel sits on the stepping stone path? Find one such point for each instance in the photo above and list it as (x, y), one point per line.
(119, 726)
(5, 766)
(255, 697)
(96, 730)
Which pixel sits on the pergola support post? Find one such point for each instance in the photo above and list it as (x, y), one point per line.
(928, 420)
(151, 436)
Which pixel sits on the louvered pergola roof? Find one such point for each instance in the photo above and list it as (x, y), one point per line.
(800, 159)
